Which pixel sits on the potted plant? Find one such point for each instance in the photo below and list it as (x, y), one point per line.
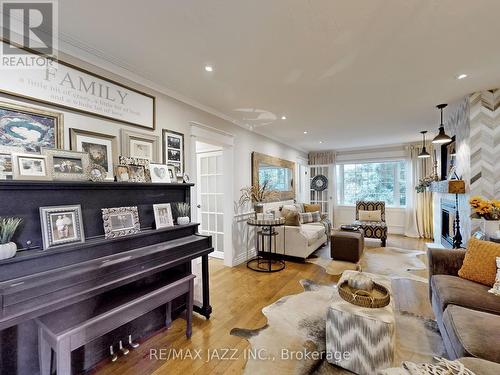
(182, 211)
(489, 212)
(258, 194)
(8, 226)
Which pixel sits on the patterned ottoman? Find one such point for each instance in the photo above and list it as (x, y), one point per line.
(360, 339)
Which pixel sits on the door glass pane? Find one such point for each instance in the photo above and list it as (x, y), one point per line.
(211, 184)
(204, 165)
(204, 221)
(211, 165)
(211, 203)
(220, 202)
(219, 164)
(220, 242)
(204, 184)
(204, 202)
(220, 223)
(219, 184)
(211, 222)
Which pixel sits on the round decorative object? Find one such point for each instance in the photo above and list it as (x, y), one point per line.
(185, 177)
(96, 173)
(378, 297)
(319, 183)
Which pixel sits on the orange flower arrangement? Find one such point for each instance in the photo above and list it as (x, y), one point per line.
(483, 208)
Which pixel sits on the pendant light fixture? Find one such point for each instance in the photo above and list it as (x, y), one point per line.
(441, 137)
(423, 154)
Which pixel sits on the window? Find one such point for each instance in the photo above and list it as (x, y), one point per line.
(384, 181)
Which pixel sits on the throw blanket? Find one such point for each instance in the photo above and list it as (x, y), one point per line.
(443, 367)
(328, 227)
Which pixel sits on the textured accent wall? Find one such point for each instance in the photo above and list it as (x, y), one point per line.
(485, 143)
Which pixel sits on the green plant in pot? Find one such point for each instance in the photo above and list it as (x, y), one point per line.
(8, 226)
(182, 211)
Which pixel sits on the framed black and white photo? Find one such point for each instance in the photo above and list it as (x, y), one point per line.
(67, 165)
(120, 221)
(122, 173)
(163, 215)
(159, 173)
(173, 150)
(171, 174)
(30, 167)
(102, 148)
(30, 128)
(61, 225)
(6, 163)
(138, 168)
(140, 145)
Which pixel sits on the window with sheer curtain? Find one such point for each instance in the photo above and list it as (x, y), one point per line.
(372, 181)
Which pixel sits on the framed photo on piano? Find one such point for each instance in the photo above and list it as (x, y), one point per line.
(61, 225)
(120, 221)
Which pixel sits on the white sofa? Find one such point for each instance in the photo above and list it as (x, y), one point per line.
(298, 241)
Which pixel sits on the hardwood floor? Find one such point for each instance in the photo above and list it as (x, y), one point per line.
(237, 296)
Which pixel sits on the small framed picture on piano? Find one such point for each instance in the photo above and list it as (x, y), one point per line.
(120, 221)
(61, 225)
(163, 215)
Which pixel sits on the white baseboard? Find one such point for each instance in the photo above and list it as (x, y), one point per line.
(242, 257)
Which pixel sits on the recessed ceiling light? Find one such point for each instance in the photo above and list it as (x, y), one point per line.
(462, 76)
(283, 117)
(320, 141)
(305, 132)
(209, 68)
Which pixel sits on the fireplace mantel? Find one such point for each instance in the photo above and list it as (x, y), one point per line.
(448, 187)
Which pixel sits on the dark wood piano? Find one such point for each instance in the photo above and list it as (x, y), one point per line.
(36, 282)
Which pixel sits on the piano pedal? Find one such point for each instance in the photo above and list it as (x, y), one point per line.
(114, 357)
(132, 343)
(124, 351)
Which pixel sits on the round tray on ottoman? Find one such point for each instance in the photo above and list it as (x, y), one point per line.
(379, 296)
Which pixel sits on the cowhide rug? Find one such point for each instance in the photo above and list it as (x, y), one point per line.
(388, 261)
(296, 323)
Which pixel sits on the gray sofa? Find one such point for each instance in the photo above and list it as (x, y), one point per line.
(467, 315)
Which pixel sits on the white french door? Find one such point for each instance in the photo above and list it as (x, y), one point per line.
(322, 197)
(211, 198)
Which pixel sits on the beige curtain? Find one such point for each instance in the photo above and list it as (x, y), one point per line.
(419, 210)
(321, 157)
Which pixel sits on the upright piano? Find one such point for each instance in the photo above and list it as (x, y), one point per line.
(36, 282)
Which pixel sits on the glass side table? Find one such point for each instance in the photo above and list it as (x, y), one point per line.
(267, 258)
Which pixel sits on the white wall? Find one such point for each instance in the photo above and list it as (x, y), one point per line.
(174, 115)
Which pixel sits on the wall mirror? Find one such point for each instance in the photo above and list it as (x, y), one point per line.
(279, 173)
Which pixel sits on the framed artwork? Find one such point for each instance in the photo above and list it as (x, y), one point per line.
(96, 173)
(138, 168)
(120, 221)
(61, 225)
(159, 173)
(102, 148)
(171, 173)
(163, 215)
(30, 128)
(140, 145)
(67, 165)
(122, 173)
(30, 167)
(6, 163)
(173, 150)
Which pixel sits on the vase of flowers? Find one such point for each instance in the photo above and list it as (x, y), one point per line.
(182, 211)
(258, 195)
(8, 226)
(489, 212)
(424, 184)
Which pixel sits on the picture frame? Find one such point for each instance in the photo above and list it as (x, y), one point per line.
(136, 165)
(122, 173)
(120, 221)
(140, 145)
(14, 118)
(163, 215)
(96, 173)
(61, 225)
(159, 173)
(30, 167)
(171, 173)
(173, 149)
(67, 165)
(102, 148)
(6, 162)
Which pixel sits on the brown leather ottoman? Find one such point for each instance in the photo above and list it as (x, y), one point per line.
(347, 246)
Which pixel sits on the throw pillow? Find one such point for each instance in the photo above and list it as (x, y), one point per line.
(309, 217)
(496, 286)
(311, 207)
(292, 219)
(287, 208)
(375, 215)
(479, 263)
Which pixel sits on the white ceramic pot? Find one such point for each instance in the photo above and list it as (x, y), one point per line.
(8, 250)
(490, 228)
(183, 220)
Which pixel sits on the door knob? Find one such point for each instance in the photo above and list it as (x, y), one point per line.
(198, 205)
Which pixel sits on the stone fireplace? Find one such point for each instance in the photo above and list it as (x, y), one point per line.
(448, 215)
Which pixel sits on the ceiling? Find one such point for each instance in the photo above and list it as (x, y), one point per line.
(350, 73)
